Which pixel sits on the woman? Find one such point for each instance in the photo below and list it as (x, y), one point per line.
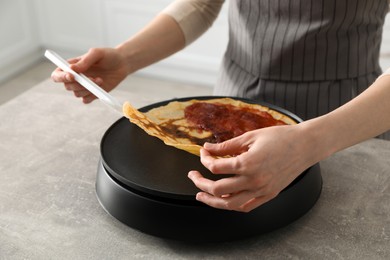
(310, 57)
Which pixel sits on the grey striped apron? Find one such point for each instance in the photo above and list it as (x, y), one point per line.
(308, 56)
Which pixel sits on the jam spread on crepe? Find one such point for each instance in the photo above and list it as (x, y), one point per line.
(188, 124)
(226, 121)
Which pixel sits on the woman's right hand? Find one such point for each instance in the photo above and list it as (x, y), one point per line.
(106, 67)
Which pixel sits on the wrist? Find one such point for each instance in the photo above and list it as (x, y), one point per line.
(161, 38)
(128, 56)
(319, 137)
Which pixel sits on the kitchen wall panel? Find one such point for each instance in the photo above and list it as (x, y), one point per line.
(19, 37)
(71, 25)
(198, 63)
(385, 48)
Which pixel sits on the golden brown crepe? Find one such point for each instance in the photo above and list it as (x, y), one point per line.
(174, 122)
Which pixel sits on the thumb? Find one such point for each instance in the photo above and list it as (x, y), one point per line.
(86, 61)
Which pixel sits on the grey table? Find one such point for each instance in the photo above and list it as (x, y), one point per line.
(49, 152)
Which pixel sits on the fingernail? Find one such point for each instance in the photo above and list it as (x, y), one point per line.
(207, 145)
(98, 81)
(68, 77)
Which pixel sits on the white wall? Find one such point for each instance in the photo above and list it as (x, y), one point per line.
(19, 37)
(71, 27)
(385, 50)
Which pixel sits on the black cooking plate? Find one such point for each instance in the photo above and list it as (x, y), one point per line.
(143, 183)
(146, 164)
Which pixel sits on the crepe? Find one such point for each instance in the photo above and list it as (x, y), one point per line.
(186, 125)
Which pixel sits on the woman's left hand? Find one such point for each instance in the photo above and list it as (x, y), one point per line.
(263, 162)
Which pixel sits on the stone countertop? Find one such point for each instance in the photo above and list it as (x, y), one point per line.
(49, 152)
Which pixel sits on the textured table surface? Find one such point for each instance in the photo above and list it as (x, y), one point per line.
(49, 152)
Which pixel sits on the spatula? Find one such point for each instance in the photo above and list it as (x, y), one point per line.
(85, 81)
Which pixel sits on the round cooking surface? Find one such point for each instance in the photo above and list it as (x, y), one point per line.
(146, 164)
(143, 183)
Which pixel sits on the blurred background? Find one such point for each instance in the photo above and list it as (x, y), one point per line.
(71, 27)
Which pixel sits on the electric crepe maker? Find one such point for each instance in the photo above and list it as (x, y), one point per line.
(143, 183)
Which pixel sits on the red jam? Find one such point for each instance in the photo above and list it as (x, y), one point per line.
(227, 121)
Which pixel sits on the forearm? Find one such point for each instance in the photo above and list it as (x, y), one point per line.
(161, 38)
(175, 27)
(366, 116)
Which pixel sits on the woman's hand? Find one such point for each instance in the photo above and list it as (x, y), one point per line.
(105, 66)
(263, 162)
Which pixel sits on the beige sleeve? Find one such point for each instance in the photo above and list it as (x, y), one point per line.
(194, 16)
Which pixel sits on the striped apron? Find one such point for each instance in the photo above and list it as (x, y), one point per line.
(307, 56)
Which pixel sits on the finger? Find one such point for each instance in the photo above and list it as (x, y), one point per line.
(212, 201)
(92, 57)
(230, 165)
(243, 202)
(73, 86)
(255, 202)
(59, 75)
(88, 99)
(74, 60)
(81, 93)
(234, 202)
(230, 147)
(202, 183)
(230, 185)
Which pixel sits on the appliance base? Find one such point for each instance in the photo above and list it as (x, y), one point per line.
(193, 221)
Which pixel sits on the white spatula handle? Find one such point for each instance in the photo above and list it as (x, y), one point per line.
(84, 81)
